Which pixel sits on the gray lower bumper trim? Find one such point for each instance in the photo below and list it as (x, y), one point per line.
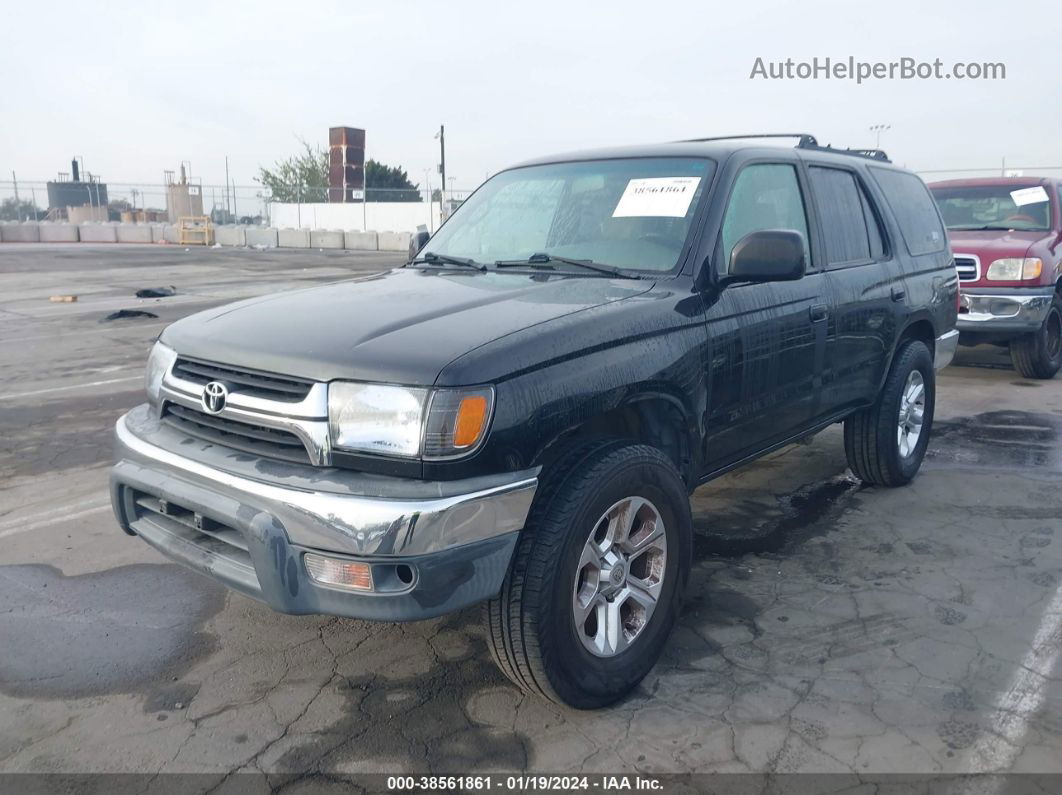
(944, 351)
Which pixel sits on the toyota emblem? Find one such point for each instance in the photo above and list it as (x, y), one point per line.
(214, 396)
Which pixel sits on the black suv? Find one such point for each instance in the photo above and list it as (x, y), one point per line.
(518, 415)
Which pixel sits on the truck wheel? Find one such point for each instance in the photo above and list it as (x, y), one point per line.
(597, 579)
(1039, 355)
(885, 443)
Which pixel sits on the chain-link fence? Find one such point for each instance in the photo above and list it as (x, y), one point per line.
(251, 203)
(26, 200)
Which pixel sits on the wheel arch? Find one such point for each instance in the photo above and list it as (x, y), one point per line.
(656, 419)
(918, 327)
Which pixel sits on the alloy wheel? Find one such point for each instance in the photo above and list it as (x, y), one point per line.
(912, 412)
(620, 576)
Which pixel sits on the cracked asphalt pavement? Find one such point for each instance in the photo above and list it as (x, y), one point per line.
(828, 628)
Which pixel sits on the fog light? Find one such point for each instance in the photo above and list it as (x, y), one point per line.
(338, 573)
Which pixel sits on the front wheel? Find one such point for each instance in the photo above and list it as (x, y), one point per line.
(597, 578)
(885, 443)
(1039, 355)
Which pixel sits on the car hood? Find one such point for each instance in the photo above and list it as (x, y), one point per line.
(993, 244)
(400, 326)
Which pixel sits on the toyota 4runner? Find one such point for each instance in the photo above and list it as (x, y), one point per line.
(518, 416)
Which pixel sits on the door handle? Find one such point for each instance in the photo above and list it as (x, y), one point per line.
(818, 312)
(898, 293)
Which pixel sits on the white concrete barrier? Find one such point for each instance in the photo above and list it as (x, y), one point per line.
(156, 232)
(26, 232)
(170, 233)
(261, 236)
(230, 235)
(98, 233)
(133, 233)
(326, 238)
(58, 233)
(361, 241)
(293, 238)
(394, 241)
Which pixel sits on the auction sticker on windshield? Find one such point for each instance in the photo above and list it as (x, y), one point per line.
(657, 196)
(1028, 196)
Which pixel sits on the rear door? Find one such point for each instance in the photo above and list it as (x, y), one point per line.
(767, 341)
(866, 282)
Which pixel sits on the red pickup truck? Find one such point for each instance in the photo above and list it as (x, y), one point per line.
(1006, 234)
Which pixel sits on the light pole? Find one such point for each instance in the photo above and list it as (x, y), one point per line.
(427, 190)
(878, 129)
(441, 135)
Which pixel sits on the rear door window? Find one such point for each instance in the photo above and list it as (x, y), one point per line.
(842, 214)
(915, 210)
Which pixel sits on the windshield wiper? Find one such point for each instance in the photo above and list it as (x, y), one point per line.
(992, 228)
(431, 258)
(543, 259)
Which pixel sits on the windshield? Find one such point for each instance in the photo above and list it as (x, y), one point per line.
(630, 213)
(1024, 208)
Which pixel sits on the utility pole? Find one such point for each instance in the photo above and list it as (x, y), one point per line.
(18, 204)
(442, 165)
(431, 210)
(227, 189)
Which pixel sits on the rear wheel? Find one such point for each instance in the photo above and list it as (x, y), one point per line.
(1039, 355)
(886, 443)
(597, 578)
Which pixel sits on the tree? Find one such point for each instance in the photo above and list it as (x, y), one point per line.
(304, 178)
(20, 210)
(389, 184)
(300, 178)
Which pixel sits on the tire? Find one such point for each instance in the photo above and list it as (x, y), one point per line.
(1039, 355)
(532, 630)
(872, 439)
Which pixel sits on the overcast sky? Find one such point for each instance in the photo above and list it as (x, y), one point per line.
(134, 88)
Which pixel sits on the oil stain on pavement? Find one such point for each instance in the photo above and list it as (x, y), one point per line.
(997, 439)
(112, 631)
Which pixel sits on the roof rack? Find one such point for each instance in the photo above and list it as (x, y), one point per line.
(804, 141)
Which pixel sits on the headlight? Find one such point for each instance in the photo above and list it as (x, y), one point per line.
(159, 363)
(407, 421)
(374, 418)
(1014, 269)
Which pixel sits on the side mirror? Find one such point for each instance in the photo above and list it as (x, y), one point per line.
(769, 255)
(417, 242)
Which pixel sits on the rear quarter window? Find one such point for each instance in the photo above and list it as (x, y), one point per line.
(915, 211)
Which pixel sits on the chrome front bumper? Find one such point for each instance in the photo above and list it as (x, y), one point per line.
(249, 523)
(993, 310)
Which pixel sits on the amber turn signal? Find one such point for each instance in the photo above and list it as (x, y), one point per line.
(471, 418)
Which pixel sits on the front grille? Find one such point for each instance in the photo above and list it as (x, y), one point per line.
(967, 268)
(245, 437)
(242, 380)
